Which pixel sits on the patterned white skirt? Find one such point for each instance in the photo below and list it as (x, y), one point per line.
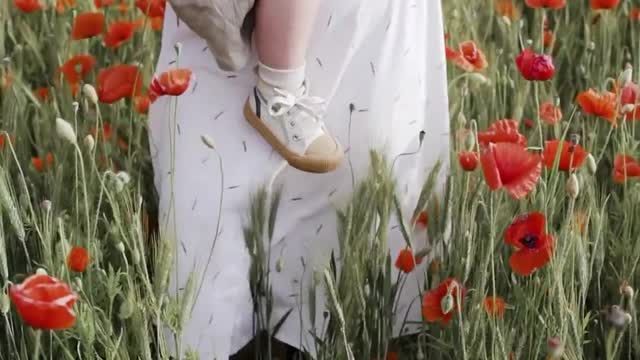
(381, 66)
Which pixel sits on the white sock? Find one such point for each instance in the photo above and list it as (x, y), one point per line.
(289, 80)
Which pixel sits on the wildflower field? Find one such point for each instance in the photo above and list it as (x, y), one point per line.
(534, 248)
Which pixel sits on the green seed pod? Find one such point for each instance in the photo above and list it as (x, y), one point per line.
(126, 308)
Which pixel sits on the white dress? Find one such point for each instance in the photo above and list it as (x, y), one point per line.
(380, 64)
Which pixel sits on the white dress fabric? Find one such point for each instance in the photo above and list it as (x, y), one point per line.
(380, 65)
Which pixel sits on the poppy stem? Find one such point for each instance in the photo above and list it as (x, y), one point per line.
(36, 347)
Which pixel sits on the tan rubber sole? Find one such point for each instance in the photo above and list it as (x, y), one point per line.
(301, 162)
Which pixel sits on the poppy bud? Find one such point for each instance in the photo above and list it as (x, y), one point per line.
(506, 20)
(207, 141)
(120, 246)
(591, 46)
(124, 177)
(420, 354)
(573, 188)
(45, 205)
(479, 78)
(446, 304)
(65, 131)
(555, 348)
(626, 76)
(126, 308)
(616, 317)
(41, 271)
(592, 167)
(367, 290)
(78, 283)
(279, 265)
(627, 291)
(89, 142)
(135, 256)
(75, 107)
(529, 42)
(5, 304)
(90, 92)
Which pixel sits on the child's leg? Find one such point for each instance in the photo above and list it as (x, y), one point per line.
(283, 29)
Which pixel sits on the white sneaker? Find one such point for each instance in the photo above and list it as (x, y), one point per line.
(293, 126)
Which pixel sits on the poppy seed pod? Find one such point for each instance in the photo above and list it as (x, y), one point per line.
(479, 78)
(46, 205)
(573, 187)
(65, 131)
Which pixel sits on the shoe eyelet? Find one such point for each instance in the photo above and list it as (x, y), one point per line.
(292, 123)
(295, 138)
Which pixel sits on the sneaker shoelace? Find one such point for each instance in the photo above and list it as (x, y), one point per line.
(313, 106)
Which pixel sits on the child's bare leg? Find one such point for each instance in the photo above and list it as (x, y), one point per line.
(280, 107)
(283, 29)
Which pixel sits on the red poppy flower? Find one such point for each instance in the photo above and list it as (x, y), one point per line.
(407, 261)
(42, 93)
(604, 4)
(118, 33)
(534, 247)
(62, 5)
(117, 82)
(550, 113)
(602, 105)
(494, 306)
(634, 14)
(512, 167)
(468, 57)
(625, 167)
(422, 220)
(548, 38)
(441, 303)
(44, 302)
(173, 82)
(528, 123)
(28, 5)
(6, 79)
(102, 3)
(630, 93)
(141, 104)
(535, 67)
(78, 259)
(3, 140)
(571, 156)
(551, 4)
(505, 130)
(506, 8)
(468, 160)
(77, 68)
(86, 25)
(157, 22)
(42, 165)
(152, 8)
